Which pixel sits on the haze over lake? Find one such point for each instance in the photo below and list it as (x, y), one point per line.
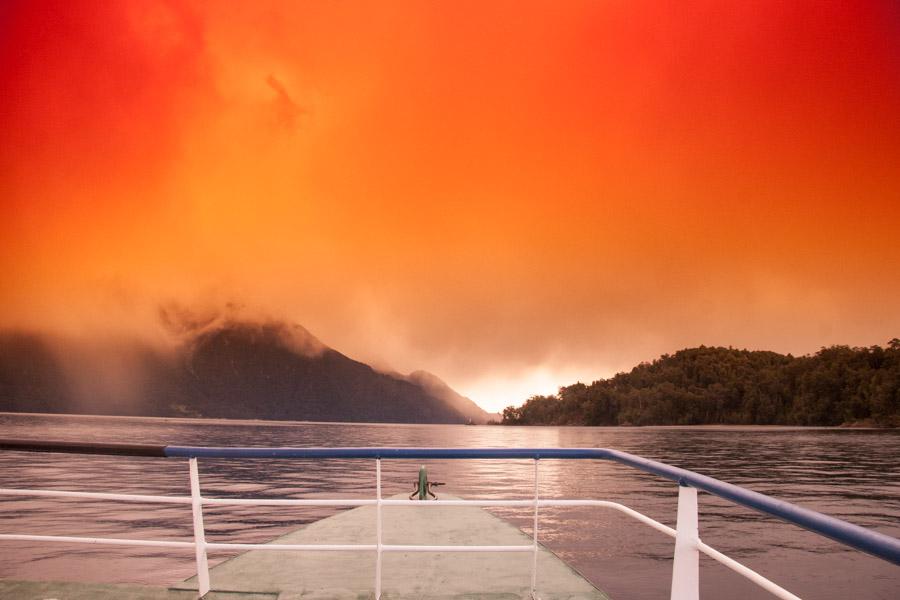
(850, 474)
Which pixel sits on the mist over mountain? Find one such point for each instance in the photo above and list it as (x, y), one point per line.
(231, 368)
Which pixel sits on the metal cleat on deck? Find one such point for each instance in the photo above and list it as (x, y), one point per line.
(423, 486)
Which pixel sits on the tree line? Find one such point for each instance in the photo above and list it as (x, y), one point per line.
(703, 386)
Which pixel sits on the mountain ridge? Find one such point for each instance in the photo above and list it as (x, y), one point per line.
(233, 368)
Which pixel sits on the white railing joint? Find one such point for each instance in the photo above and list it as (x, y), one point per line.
(378, 529)
(534, 558)
(199, 533)
(686, 563)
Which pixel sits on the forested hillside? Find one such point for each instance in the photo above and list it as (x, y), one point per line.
(837, 385)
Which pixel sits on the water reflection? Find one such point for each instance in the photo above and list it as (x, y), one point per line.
(849, 474)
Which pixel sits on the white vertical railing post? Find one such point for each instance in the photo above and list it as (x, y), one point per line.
(199, 535)
(534, 554)
(378, 529)
(686, 567)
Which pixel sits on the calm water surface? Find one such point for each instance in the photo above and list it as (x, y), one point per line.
(851, 474)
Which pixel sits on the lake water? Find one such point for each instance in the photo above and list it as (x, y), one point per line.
(850, 474)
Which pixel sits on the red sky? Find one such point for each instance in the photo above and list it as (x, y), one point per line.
(514, 196)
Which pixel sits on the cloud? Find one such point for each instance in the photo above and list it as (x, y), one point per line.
(560, 195)
(286, 109)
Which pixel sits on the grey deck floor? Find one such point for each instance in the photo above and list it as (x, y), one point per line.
(57, 590)
(286, 575)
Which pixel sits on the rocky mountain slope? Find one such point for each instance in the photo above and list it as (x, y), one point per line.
(235, 369)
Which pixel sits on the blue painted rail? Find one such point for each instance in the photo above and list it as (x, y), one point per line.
(868, 541)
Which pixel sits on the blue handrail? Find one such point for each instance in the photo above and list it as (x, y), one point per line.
(868, 541)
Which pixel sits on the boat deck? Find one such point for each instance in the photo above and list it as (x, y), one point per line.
(56, 590)
(311, 575)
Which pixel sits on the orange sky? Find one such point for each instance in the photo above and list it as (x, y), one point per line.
(512, 196)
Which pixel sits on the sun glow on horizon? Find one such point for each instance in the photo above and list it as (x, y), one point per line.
(496, 393)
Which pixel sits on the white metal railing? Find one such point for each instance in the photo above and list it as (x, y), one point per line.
(685, 572)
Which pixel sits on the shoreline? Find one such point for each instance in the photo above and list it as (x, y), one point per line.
(856, 426)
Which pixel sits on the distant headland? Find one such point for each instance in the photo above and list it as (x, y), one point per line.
(838, 385)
